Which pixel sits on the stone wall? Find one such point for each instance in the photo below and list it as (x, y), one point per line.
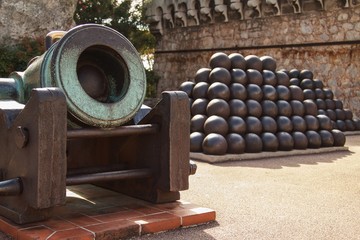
(34, 18)
(322, 36)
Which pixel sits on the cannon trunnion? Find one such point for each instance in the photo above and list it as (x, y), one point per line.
(75, 116)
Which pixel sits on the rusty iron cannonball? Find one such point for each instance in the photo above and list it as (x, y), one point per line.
(348, 114)
(338, 104)
(318, 84)
(307, 84)
(324, 122)
(253, 62)
(285, 71)
(254, 77)
(238, 76)
(238, 108)
(254, 108)
(218, 90)
(236, 125)
(294, 82)
(294, 73)
(340, 114)
(319, 93)
(320, 103)
(268, 63)
(310, 107)
(299, 124)
(200, 90)
(339, 137)
(253, 143)
(286, 142)
(296, 93)
(357, 124)
(269, 141)
(349, 125)
(269, 92)
(314, 139)
(254, 92)
(214, 144)
(269, 78)
(196, 140)
(321, 112)
(199, 106)
(283, 92)
(284, 108)
(300, 140)
(309, 94)
(269, 108)
(331, 114)
(340, 124)
(202, 75)
(197, 123)
(312, 123)
(282, 78)
(330, 104)
(237, 61)
(236, 143)
(297, 108)
(305, 73)
(253, 125)
(238, 91)
(220, 74)
(327, 139)
(220, 60)
(216, 124)
(268, 124)
(218, 107)
(328, 93)
(284, 124)
(187, 87)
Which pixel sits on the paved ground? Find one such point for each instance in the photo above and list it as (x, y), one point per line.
(303, 197)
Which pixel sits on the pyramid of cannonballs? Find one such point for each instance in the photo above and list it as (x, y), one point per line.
(242, 104)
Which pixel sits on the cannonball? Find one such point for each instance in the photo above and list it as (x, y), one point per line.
(254, 108)
(284, 124)
(305, 73)
(340, 114)
(339, 137)
(310, 107)
(237, 61)
(254, 77)
(253, 143)
(269, 78)
(321, 112)
(200, 90)
(318, 84)
(253, 62)
(357, 124)
(299, 124)
(269, 108)
(236, 125)
(218, 107)
(285, 71)
(338, 104)
(220, 74)
(202, 75)
(284, 108)
(330, 104)
(340, 124)
(216, 124)
(312, 123)
(269, 141)
(238, 76)
(187, 87)
(253, 125)
(199, 106)
(254, 92)
(331, 114)
(268, 63)
(197, 123)
(333, 123)
(294, 81)
(320, 103)
(236, 143)
(269, 92)
(294, 73)
(328, 93)
(349, 125)
(286, 142)
(307, 84)
(309, 94)
(220, 59)
(297, 108)
(214, 144)
(268, 124)
(319, 93)
(300, 140)
(348, 114)
(238, 108)
(314, 139)
(196, 140)
(296, 93)
(324, 122)
(283, 92)
(327, 139)
(238, 91)
(218, 90)
(282, 78)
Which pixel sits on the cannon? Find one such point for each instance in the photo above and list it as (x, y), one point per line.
(76, 116)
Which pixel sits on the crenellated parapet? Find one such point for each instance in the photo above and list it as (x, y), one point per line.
(167, 14)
